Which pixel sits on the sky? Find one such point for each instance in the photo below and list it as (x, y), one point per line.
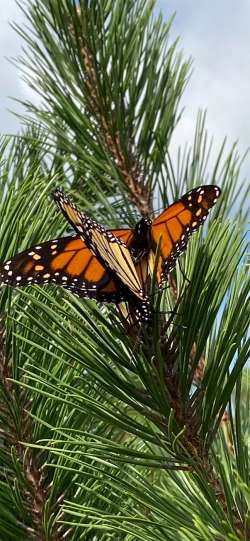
(216, 34)
(217, 37)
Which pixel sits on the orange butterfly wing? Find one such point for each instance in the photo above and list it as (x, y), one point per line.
(173, 227)
(109, 248)
(67, 262)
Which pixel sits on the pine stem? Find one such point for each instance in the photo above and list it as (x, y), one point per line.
(139, 193)
(34, 490)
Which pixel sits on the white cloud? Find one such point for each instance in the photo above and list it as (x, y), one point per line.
(216, 35)
(10, 46)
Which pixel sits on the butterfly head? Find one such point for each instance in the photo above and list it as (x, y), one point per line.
(142, 227)
(141, 241)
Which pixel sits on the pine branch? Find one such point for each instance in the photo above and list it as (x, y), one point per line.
(115, 85)
(131, 447)
(131, 173)
(28, 474)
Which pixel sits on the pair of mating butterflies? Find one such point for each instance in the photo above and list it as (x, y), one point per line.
(112, 265)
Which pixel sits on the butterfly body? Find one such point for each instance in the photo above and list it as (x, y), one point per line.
(141, 239)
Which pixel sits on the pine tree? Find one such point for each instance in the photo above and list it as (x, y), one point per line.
(104, 436)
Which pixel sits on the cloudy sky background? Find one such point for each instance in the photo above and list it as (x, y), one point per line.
(215, 34)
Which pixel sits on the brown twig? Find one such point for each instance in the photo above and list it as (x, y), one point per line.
(139, 192)
(226, 427)
(35, 489)
(186, 415)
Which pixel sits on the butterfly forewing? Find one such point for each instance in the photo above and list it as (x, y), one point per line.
(118, 258)
(107, 247)
(176, 224)
(67, 262)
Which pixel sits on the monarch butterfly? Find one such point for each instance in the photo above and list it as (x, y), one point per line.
(172, 229)
(111, 265)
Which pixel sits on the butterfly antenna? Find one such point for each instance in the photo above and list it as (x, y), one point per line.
(183, 273)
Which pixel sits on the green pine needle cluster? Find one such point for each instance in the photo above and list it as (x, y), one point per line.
(106, 434)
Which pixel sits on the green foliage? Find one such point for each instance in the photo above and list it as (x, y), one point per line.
(110, 86)
(102, 436)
